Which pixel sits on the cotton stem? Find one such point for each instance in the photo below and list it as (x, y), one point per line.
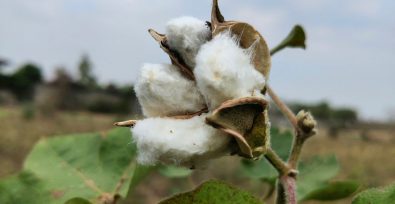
(304, 125)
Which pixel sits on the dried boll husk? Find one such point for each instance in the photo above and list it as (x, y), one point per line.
(245, 119)
(248, 36)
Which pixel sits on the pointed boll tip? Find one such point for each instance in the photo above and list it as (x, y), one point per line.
(157, 36)
(128, 123)
(216, 16)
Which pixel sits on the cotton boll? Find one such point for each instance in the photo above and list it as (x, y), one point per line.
(224, 71)
(163, 91)
(180, 142)
(186, 35)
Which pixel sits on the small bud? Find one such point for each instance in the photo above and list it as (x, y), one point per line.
(306, 121)
(296, 38)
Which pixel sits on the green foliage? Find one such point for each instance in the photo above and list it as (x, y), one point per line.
(384, 195)
(174, 171)
(140, 172)
(314, 180)
(214, 192)
(86, 77)
(23, 188)
(28, 111)
(27, 75)
(323, 111)
(3, 63)
(95, 167)
(314, 174)
(281, 143)
(333, 191)
(22, 81)
(77, 201)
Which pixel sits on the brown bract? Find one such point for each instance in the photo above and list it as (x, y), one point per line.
(174, 56)
(248, 37)
(247, 121)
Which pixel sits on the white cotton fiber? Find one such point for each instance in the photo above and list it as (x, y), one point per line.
(224, 71)
(163, 91)
(180, 142)
(186, 35)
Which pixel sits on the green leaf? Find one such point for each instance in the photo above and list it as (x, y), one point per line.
(261, 169)
(214, 192)
(77, 201)
(140, 172)
(174, 171)
(315, 173)
(23, 188)
(296, 38)
(333, 191)
(281, 142)
(95, 167)
(376, 196)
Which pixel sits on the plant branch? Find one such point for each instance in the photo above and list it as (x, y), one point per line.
(286, 190)
(277, 48)
(304, 125)
(306, 129)
(297, 147)
(281, 166)
(283, 107)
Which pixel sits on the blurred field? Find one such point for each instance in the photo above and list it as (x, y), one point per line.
(368, 158)
(21, 128)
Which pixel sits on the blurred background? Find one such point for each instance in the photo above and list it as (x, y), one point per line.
(68, 66)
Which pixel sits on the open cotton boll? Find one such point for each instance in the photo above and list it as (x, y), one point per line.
(163, 91)
(185, 35)
(180, 142)
(224, 71)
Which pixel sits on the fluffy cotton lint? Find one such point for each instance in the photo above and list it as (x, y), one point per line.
(186, 35)
(163, 91)
(224, 71)
(180, 142)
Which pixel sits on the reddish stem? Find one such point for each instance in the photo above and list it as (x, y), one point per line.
(286, 193)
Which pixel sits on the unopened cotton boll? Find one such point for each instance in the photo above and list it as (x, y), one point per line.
(224, 71)
(163, 91)
(186, 35)
(182, 142)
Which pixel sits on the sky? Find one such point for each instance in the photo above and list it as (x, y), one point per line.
(349, 60)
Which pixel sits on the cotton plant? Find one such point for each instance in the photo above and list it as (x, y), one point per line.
(208, 102)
